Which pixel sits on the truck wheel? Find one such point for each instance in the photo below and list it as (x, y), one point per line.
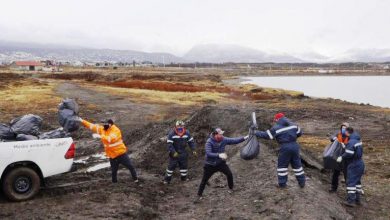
(21, 183)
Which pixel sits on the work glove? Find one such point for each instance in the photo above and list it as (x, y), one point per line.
(176, 154)
(223, 156)
(96, 136)
(246, 137)
(78, 119)
(194, 153)
(343, 145)
(339, 159)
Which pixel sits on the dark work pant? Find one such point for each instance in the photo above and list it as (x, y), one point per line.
(289, 154)
(209, 170)
(182, 161)
(124, 159)
(336, 174)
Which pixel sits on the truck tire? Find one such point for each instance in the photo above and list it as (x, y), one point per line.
(21, 183)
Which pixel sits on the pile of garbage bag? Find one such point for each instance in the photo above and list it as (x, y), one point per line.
(331, 153)
(27, 127)
(68, 112)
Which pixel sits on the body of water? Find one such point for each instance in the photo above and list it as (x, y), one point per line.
(374, 90)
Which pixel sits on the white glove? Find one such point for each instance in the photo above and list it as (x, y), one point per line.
(79, 119)
(246, 137)
(96, 136)
(343, 145)
(223, 156)
(339, 159)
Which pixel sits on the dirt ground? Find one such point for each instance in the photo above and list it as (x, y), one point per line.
(86, 195)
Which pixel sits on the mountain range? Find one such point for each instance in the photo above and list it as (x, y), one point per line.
(211, 53)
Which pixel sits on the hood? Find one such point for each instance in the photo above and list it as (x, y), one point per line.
(284, 121)
(355, 136)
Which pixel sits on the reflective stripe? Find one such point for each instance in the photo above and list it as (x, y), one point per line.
(169, 141)
(169, 171)
(183, 174)
(298, 170)
(109, 139)
(191, 139)
(116, 143)
(299, 130)
(349, 151)
(91, 126)
(358, 144)
(183, 171)
(286, 129)
(358, 186)
(177, 136)
(169, 174)
(301, 173)
(282, 174)
(351, 188)
(282, 169)
(270, 135)
(351, 191)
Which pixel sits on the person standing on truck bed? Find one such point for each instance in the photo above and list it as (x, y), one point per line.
(114, 147)
(178, 139)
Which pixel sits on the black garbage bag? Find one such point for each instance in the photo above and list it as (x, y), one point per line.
(26, 137)
(68, 120)
(27, 124)
(58, 133)
(252, 147)
(69, 104)
(331, 153)
(6, 133)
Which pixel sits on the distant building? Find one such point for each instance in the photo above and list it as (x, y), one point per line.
(27, 65)
(326, 71)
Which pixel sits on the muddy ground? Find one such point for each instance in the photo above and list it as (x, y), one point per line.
(85, 195)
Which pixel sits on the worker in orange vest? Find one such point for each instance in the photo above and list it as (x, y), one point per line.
(114, 147)
(342, 138)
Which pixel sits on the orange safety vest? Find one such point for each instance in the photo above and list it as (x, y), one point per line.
(341, 139)
(111, 139)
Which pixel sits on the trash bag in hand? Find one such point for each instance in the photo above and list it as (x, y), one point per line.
(69, 104)
(68, 120)
(251, 148)
(331, 153)
(58, 133)
(27, 124)
(68, 115)
(6, 133)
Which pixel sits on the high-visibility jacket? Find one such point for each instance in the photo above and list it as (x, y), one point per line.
(111, 139)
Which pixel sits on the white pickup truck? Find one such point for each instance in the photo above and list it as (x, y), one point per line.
(25, 164)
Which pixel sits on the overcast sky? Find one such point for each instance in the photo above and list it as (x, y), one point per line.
(291, 26)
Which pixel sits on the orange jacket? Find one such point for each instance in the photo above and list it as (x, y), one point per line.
(341, 139)
(111, 139)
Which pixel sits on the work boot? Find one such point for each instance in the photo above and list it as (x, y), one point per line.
(358, 202)
(332, 190)
(136, 180)
(166, 182)
(198, 199)
(184, 179)
(302, 185)
(281, 186)
(349, 204)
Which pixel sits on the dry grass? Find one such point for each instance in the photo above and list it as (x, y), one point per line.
(164, 97)
(27, 97)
